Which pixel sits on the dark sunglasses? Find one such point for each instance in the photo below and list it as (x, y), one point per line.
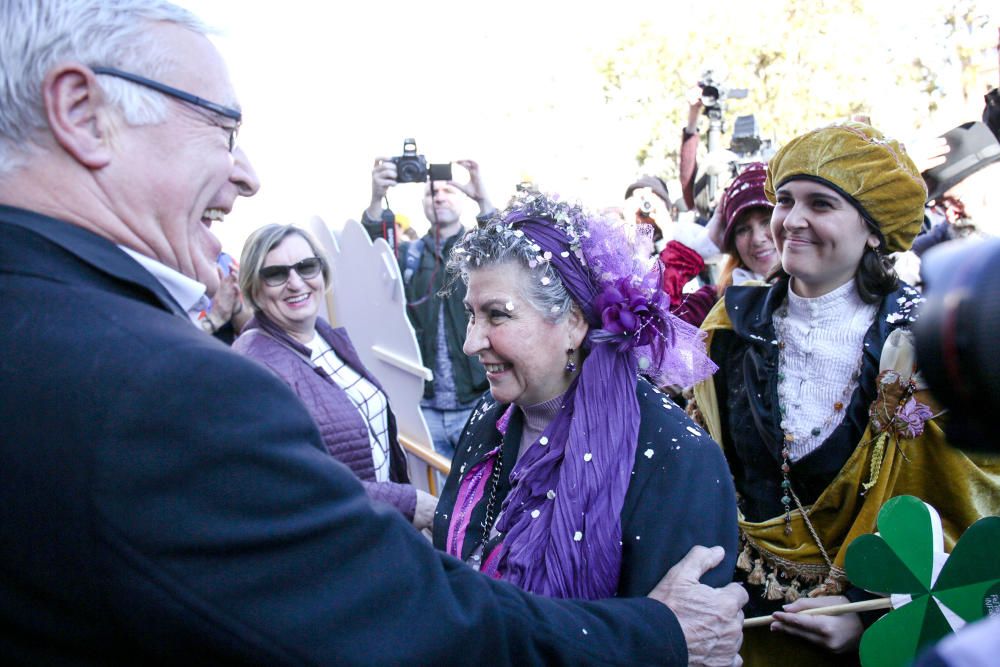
(176, 93)
(277, 274)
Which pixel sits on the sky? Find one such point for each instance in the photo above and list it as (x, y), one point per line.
(327, 87)
(325, 91)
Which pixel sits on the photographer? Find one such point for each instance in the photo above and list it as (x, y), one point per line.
(439, 322)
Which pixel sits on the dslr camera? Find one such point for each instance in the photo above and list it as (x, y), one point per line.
(413, 168)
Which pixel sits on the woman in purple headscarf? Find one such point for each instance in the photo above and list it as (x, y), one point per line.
(575, 477)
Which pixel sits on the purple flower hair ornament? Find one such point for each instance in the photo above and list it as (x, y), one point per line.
(632, 316)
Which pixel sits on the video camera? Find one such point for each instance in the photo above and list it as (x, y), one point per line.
(746, 146)
(747, 142)
(413, 168)
(713, 93)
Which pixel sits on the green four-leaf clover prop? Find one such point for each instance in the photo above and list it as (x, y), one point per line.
(932, 593)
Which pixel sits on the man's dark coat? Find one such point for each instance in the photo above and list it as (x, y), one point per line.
(163, 500)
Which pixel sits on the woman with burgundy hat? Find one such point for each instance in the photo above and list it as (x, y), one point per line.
(816, 403)
(745, 216)
(575, 477)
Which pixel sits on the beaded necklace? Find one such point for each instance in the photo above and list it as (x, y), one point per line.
(486, 526)
(788, 494)
(491, 504)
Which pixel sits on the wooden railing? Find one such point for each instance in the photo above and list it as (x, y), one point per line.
(433, 461)
(402, 364)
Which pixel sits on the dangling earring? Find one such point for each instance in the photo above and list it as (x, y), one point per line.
(570, 364)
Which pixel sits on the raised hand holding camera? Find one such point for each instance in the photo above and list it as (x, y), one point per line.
(383, 178)
(412, 167)
(474, 189)
(695, 107)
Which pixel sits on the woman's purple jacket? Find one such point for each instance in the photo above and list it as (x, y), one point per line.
(344, 432)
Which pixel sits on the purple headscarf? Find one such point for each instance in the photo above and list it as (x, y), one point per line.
(561, 521)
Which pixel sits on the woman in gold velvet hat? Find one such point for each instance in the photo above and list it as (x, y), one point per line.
(816, 402)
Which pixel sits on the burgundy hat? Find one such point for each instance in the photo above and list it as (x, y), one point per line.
(746, 191)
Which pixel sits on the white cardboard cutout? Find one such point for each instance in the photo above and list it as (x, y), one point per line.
(367, 299)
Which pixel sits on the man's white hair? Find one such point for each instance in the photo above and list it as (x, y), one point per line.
(35, 35)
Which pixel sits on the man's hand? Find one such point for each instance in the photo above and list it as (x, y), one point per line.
(837, 633)
(423, 515)
(474, 189)
(928, 153)
(383, 178)
(711, 618)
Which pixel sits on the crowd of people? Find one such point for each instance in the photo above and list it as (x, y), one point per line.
(657, 426)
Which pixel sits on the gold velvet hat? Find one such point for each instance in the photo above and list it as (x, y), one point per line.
(875, 173)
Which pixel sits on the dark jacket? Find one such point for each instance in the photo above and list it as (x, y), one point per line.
(680, 494)
(747, 389)
(164, 500)
(343, 429)
(423, 306)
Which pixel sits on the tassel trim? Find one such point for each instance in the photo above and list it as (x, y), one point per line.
(785, 579)
(744, 561)
(792, 592)
(773, 590)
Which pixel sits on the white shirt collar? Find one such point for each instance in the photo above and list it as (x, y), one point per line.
(741, 275)
(832, 310)
(187, 292)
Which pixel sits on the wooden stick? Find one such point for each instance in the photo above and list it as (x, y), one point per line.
(832, 610)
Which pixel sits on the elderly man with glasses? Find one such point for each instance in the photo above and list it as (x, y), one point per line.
(134, 528)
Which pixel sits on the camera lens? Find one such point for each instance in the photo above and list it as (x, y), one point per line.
(410, 172)
(956, 334)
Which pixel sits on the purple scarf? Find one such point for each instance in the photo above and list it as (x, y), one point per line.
(562, 519)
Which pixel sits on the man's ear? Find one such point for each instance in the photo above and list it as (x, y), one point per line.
(77, 113)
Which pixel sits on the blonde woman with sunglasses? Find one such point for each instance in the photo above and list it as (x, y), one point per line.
(284, 277)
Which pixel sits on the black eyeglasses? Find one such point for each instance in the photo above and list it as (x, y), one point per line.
(278, 274)
(179, 94)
